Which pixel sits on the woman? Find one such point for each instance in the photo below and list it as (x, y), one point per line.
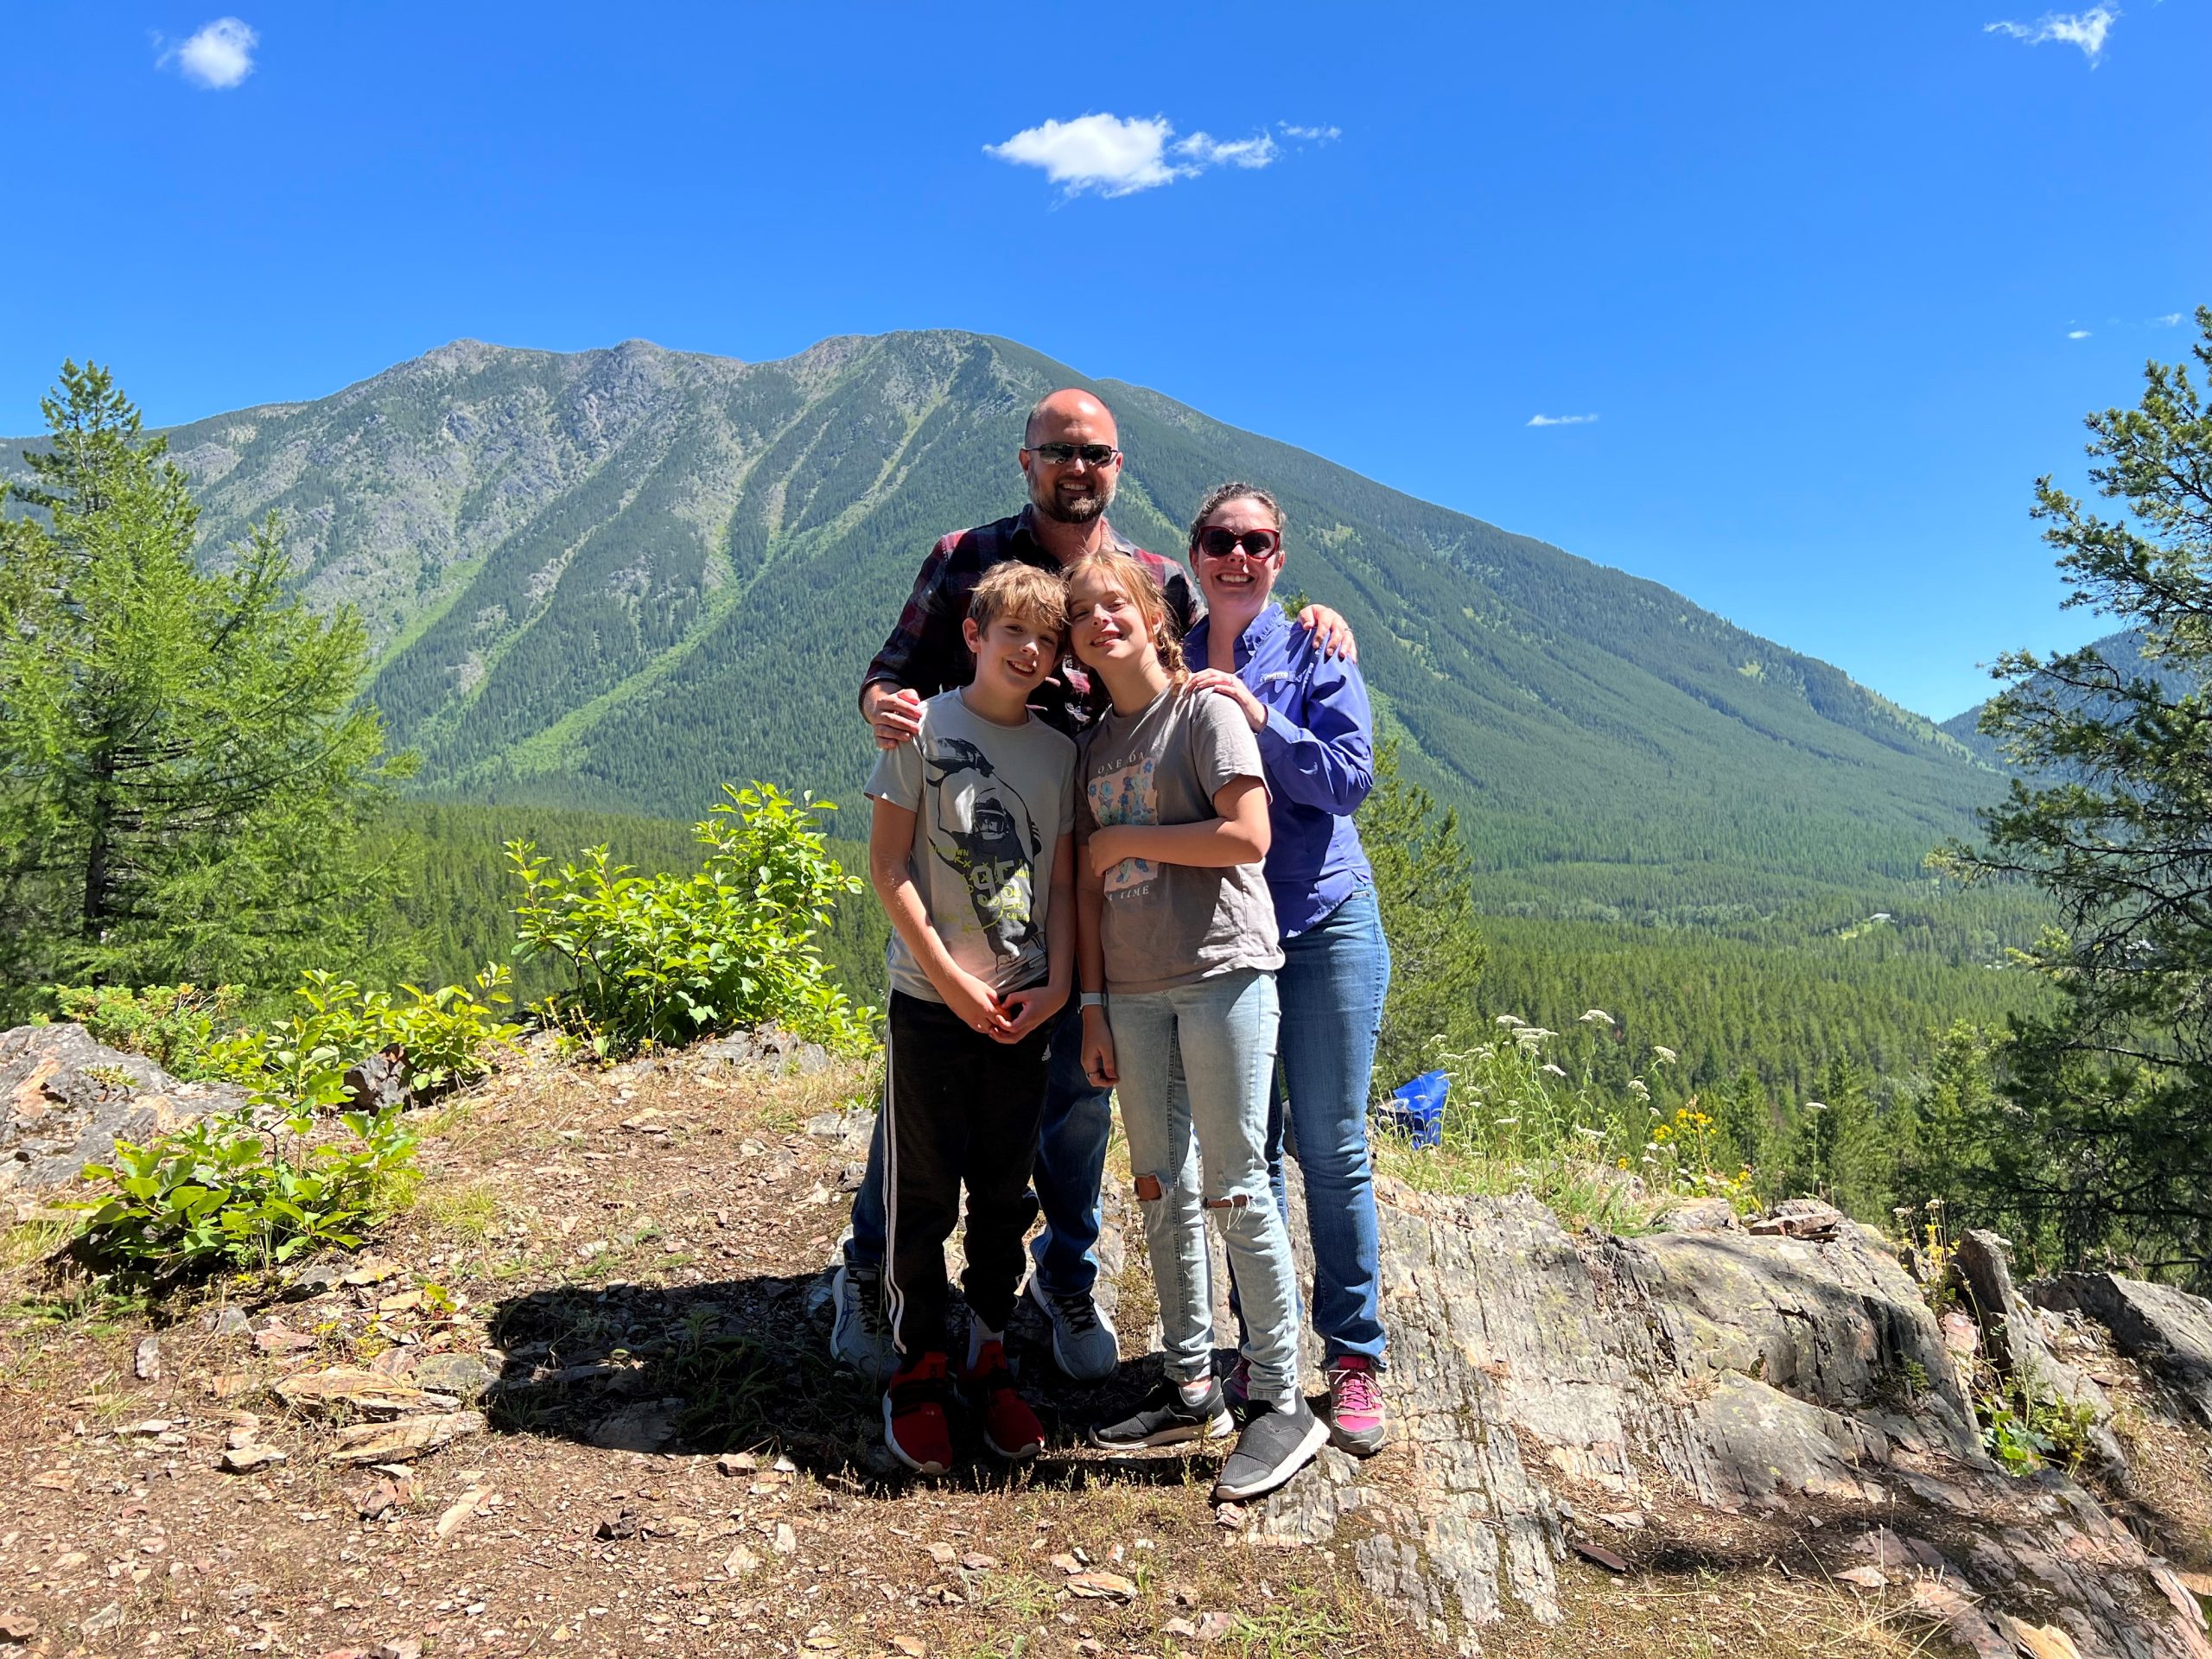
(1316, 732)
(1176, 952)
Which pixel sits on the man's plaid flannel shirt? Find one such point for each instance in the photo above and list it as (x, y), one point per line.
(927, 651)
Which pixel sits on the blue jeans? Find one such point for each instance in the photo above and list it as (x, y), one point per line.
(1070, 1161)
(1223, 1029)
(1331, 984)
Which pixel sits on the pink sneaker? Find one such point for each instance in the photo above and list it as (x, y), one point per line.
(1237, 1388)
(1357, 1423)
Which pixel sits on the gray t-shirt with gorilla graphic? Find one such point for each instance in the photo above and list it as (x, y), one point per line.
(991, 805)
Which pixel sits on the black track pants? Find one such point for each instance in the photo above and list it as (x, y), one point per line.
(958, 1107)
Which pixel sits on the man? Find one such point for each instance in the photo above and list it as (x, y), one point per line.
(1071, 459)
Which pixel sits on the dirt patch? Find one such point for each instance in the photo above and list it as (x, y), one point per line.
(667, 1459)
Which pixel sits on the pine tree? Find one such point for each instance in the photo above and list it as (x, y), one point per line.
(184, 769)
(1423, 883)
(2110, 815)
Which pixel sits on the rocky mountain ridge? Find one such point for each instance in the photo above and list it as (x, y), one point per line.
(615, 578)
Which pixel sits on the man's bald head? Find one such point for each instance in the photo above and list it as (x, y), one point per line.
(1077, 489)
(1052, 417)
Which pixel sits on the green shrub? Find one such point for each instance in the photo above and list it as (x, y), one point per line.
(447, 1036)
(665, 958)
(172, 1026)
(226, 1193)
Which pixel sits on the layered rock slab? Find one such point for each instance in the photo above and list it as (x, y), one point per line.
(65, 1098)
(1713, 1382)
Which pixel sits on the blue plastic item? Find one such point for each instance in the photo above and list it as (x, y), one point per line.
(1415, 1109)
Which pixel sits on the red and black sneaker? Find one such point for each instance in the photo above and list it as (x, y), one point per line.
(1010, 1428)
(914, 1424)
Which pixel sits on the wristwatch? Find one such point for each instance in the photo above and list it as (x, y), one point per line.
(1091, 1000)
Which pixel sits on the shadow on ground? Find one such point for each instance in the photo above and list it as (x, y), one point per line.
(744, 1365)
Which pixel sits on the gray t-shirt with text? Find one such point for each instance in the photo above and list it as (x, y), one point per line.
(991, 805)
(1169, 925)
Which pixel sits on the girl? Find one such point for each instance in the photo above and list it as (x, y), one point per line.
(1316, 732)
(1178, 951)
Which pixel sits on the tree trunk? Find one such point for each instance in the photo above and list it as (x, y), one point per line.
(98, 854)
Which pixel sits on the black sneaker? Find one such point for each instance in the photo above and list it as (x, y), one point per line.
(1274, 1446)
(1166, 1419)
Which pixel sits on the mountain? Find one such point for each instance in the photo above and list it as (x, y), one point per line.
(613, 578)
(2124, 651)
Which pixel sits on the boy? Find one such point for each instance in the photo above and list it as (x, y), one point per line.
(971, 854)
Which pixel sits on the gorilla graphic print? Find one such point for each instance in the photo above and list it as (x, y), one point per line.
(984, 833)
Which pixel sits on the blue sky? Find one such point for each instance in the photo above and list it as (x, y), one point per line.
(1835, 284)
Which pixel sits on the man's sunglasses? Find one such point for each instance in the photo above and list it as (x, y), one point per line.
(1218, 543)
(1058, 455)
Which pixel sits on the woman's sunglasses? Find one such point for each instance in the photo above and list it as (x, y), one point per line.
(1218, 543)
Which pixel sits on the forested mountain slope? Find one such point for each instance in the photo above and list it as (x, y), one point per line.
(2124, 651)
(614, 578)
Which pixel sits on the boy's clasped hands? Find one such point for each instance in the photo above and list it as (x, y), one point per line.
(1006, 1019)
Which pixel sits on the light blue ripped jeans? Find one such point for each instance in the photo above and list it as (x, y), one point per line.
(1224, 1030)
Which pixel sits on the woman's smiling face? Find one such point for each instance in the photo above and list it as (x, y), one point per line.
(1104, 624)
(1238, 582)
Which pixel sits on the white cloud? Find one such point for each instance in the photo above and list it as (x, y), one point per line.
(1118, 155)
(2172, 320)
(2077, 334)
(2085, 29)
(1203, 150)
(1560, 420)
(218, 57)
(1318, 134)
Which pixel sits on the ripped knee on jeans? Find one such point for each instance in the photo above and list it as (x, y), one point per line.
(1149, 1189)
(1234, 1201)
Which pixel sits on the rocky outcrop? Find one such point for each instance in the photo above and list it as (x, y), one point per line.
(1700, 1392)
(65, 1098)
(2013, 1339)
(2167, 1331)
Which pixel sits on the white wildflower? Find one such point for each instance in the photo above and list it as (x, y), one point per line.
(1638, 1087)
(1554, 1071)
(1815, 1106)
(1510, 1019)
(1593, 1016)
(1667, 1056)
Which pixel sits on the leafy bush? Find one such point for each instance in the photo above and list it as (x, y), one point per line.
(665, 958)
(448, 1037)
(226, 1193)
(173, 1026)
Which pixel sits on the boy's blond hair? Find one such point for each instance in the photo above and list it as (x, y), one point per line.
(1025, 592)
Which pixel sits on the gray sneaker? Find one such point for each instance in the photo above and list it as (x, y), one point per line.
(1274, 1446)
(1083, 1341)
(862, 1336)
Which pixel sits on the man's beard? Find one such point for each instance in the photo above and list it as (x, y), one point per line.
(1078, 510)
